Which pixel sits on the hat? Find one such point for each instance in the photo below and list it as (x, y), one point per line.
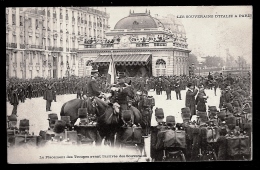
(52, 117)
(202, 117)
(59, 126)
(24, 124)
(189, 84)
(82, 112)
(159, 113)
(127, 115)
(12, 117)
(235, 103)
(231, 122)
(229, 107)
(213, 108)
(170, 120)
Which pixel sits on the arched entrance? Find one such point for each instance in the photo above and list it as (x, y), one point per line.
(160, 67)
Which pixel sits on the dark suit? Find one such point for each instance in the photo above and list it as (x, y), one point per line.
(93, 88)
(190, 100)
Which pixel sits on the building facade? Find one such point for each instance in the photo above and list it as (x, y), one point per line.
(142, 45)
(43, 41)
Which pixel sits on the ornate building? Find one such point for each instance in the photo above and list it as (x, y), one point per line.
(141, 45)
(44, 41)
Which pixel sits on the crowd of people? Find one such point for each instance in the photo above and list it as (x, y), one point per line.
(231, 119)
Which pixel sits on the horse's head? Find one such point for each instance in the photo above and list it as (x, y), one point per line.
(130, 91)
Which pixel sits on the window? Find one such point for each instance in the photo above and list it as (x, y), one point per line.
(74, 61)
(160, 67)
(36, 23)
(61, 43)
(72, 13)
(61, 26)
(37, 41)
(30, 22)
(21, 21)
(13, 19)
(14, 39)
(21, 40)
(15, 57)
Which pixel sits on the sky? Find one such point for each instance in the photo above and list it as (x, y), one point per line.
(206, 36)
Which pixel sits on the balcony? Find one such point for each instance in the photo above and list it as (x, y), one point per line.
(60, 48)
(22, 46)
(32, 46)
(50, 47)
(39, 46)
(144, 44)
(106, 45)
(56, 49)
(13, 45)
(90, 45)
(160, 44)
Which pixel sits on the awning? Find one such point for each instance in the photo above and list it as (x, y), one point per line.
(124, 59)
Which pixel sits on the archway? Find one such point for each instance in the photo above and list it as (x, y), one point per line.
(160, 67)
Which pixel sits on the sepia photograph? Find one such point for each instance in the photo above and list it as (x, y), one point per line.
(88, 84)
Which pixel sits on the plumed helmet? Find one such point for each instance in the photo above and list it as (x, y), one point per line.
(170, 120)
(59, 126)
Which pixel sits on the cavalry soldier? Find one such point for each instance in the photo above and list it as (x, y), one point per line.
(92, 85)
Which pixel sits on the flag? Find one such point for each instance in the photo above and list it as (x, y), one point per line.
(111, 71)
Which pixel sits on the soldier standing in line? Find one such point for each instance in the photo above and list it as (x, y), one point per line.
(168, 92)
(54, 91)
(14, 99)
(48, 96)
(177, 90)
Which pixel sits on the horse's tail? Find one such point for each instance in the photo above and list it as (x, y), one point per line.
(62, 113)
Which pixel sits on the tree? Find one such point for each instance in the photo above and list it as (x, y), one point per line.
(192, 59)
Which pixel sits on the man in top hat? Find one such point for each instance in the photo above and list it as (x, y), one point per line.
(190, 98)
(48, 96)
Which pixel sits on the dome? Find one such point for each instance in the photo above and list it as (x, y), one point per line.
(138, 21)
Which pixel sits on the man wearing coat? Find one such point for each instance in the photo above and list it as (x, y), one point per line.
(48, 96)
(14, 99)
(190, 98)
(168, 91)
(92, 87)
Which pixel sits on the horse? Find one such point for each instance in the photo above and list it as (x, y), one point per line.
(103, 111)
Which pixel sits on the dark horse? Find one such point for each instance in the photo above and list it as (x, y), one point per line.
(108, 120)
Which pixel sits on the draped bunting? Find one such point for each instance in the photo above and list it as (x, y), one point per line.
(124, 59)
